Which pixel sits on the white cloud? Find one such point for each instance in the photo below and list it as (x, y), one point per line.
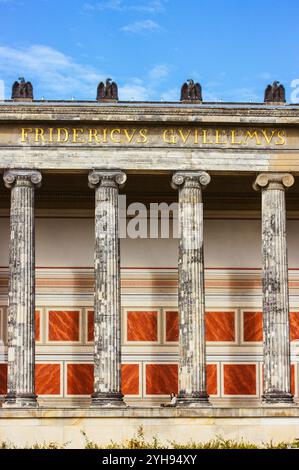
(141, 27)
(158, 72)
(53, 72)
(11, 3)
(173, 94)
(56, 75)
(134, 92)
(107, 5)
(152, 6)
(2, 90)
(148, 89)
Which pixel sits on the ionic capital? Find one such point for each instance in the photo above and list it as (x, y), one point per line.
(193, 179)
(108, 178)
(270, 181)
(18, 177)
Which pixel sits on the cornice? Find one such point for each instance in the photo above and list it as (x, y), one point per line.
(235, 113)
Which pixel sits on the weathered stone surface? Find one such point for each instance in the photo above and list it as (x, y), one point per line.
(256, 155)
(21, 301)
(107, 313)
(256, 425)
(62, 111)
(223, 151)
(192, 350)
(277, 382)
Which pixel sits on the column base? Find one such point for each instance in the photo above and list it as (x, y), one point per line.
(20, 401)
(193, 400)
(107, 400)
(277, 398)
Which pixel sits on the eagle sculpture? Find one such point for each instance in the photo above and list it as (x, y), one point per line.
(22, 89)
(191, 91)
(275, 93)
(107, 91)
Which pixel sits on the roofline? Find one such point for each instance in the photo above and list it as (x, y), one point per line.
(203, 104)
(150, 112)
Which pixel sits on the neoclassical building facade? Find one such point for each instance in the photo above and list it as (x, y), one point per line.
(102, 324)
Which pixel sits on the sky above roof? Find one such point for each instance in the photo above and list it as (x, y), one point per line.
(150, 47)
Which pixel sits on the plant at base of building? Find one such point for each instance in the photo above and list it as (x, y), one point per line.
(37, 446)
(217, 443)
(48, 446)
(7, 445)
(138, 441)
(282, 445)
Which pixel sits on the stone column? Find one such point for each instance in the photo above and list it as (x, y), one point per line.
(192, 350)
(107, 313)
(21, 300)
(277, 383)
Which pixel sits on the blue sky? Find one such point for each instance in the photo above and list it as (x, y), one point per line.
(234, 48)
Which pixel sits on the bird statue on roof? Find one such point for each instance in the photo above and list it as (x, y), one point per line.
(191, 91)
(107, 91)
(22, 89)
(275, 93)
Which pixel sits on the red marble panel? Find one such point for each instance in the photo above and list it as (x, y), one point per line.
(294, 326)
(47, 379)
(3, 379)
(130, 379)
(293, 379)
(142, 325)
(220, 326)
(172, 325)
(64, 325)
(90, 325)
(253, 326)
(79, 379)
(211, 371)
(239, 379)
(161, 379)
(37, 325)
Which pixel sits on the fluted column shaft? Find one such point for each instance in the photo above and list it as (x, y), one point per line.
(21, 300)
(107, 312)
(192, 350)
(276, 329)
